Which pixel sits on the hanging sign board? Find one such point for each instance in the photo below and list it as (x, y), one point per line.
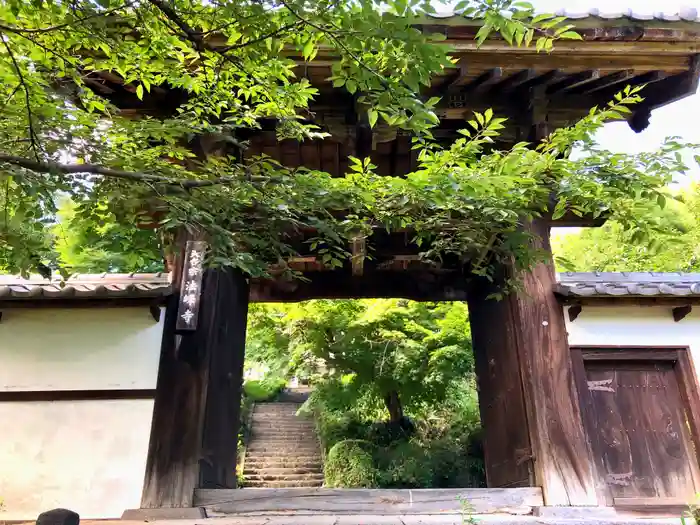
(191, 286)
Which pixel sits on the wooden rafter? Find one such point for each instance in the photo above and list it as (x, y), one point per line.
(484, 81)
(574, 81)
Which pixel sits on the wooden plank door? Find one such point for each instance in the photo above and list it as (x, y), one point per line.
(638, 428)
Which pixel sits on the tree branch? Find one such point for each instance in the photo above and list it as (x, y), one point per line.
(30, 118)
(94, 169)
(21, 30)
(261, 38)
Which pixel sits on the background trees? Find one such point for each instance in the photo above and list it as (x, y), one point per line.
(394, 394)
(674, 248)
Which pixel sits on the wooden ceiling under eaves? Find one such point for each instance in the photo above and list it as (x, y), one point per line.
(536, 91)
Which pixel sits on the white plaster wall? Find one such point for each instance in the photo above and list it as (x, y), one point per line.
(78, 349)
(631, 325)
(87, 455)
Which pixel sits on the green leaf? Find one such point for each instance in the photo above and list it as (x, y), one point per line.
(372, 116)
(571, 35)
(139, 91)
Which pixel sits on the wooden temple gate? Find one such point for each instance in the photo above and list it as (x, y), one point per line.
(534, 432)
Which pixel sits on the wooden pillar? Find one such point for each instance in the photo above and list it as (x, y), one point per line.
(532, 421)
(195, 419)
(226, 351)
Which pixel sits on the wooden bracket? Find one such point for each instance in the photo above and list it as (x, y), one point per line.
(155, 312)
(359, 252)
(639, 121)
(574, 311)
(680, 312)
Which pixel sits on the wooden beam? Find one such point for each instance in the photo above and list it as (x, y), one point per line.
(681, 312)
(542, 80)
(459, 78)
(602, 82)
(673, 88)
(484, 81)
(418, 285)
(512, 82)
(513, 501)
(358, 247)
(573, 81)
(605, 94)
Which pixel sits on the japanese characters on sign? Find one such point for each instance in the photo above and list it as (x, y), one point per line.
(191, 286)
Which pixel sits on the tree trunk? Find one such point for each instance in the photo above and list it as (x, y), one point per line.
(393, 404)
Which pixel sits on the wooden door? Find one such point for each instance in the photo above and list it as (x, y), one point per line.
(638, 426)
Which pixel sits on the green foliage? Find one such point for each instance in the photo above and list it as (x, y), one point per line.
(224, 66)
(264, 389)
(372, 349)
(612, 248)
(444, 450)
(89, 239)
(350, 463)
(369, 348)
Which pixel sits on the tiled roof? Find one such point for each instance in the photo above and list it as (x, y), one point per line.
(629, 284)
(95, 286)
(686, 14)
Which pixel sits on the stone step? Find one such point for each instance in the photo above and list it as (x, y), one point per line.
(284, 477)
(287, 444)
(280, 407)
(265, 450)
(299, 434)
(286, 418)
(281, 484)
(297, 438)
(275, 471)
(284, 425)
(284, 429)
(265, 463)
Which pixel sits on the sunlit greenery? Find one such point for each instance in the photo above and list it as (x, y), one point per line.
(228, 67)
(610, 248)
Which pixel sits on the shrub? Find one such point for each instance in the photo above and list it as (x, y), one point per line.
(350, 464)
(264, 389)
(406, 465)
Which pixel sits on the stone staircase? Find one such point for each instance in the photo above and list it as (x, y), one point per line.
(283, 450)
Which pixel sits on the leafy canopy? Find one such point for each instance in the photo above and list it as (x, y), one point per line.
(611, 248)
(223, 67)
(368, 348)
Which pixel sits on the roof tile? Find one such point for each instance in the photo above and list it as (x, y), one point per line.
(96, 286)
(629, 284)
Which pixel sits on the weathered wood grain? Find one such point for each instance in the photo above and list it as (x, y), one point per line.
(225, 340)
(195, 419)
(518, 501)
(507, 450)
(562, 458)
(171, 463)
(638, 429)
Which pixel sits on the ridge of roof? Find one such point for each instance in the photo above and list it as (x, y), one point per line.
(90, 286)
(685, 14)
(629, 284)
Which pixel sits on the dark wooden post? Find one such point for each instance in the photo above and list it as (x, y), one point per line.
(195, 418)
(526, 329)
(226, 351)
